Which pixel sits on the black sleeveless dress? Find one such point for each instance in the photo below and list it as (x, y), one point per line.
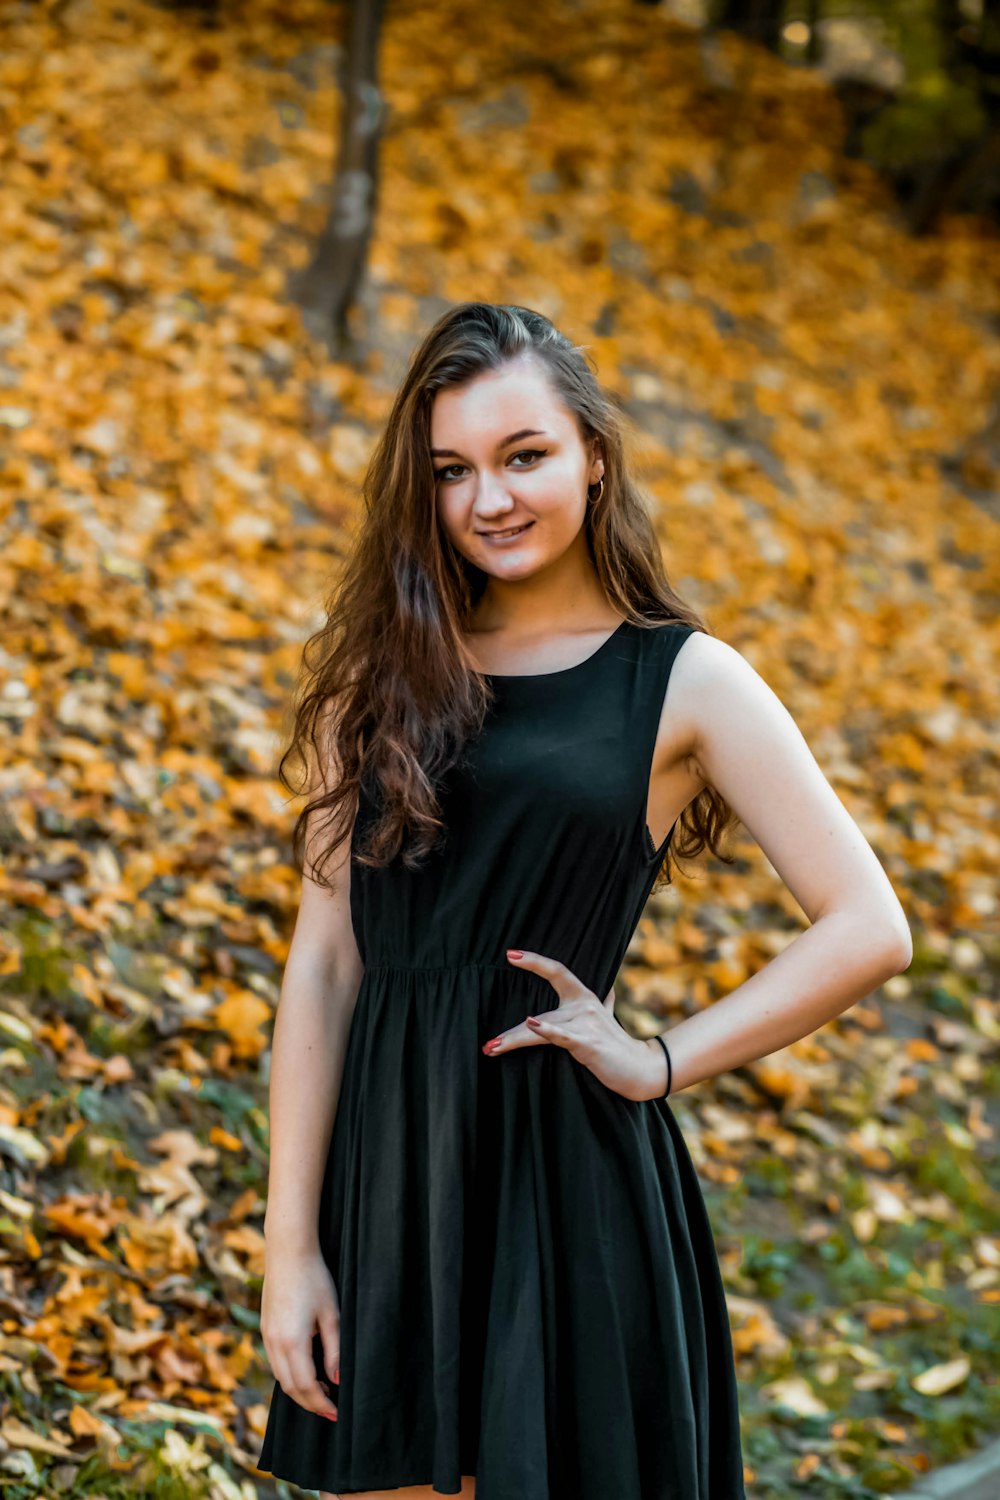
(529, 1288)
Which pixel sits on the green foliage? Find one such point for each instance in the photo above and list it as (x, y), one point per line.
(929, 119)
(766, 1265)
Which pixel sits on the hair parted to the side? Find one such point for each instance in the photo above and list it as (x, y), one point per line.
(387, 693)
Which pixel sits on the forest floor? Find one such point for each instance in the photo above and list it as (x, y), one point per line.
(810, 393)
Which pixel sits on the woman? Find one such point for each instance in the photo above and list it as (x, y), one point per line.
(488, 1258)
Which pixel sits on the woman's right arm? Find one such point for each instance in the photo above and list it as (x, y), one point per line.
(318, 991)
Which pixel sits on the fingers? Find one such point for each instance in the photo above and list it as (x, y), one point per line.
(569, 989)
(328, 1320)
(562, 980)
(518, 1036)
(315, 1398)
(567, 985)
(549, 1031)
(307, 1388)
(294, 1371)
(537, 1031)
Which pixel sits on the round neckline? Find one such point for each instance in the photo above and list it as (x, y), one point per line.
(559, 671)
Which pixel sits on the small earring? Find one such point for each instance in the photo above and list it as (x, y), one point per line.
(595, 498)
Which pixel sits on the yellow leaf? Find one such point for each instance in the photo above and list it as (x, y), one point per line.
(241, 1016)
(19, 1435)
(940, 1378)
(796, 1393)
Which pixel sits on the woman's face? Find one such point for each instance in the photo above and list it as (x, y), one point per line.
(508, 454)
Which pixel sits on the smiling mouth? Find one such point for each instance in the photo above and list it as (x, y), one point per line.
(511, 531)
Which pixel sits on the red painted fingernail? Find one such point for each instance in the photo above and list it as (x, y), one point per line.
(532, 1021)
(514, 953)
(336, 1375)
(331, 1416)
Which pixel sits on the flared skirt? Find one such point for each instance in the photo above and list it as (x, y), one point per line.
(528, 1283)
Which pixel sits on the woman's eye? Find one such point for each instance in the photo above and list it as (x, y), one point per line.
(522, 453)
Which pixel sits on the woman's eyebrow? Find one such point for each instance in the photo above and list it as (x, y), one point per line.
(515, 437)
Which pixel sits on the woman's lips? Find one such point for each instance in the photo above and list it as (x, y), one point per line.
(498, 537)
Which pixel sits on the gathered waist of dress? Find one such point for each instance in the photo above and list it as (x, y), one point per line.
(379, 965)
(481, 972)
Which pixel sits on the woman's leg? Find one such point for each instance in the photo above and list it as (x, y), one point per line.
(412, 1492)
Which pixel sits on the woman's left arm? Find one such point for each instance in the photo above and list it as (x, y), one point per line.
(749, 748)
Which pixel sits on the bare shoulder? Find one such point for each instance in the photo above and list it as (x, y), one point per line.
(702, 652)
(714, 696)
(702, 664)
(717, 697)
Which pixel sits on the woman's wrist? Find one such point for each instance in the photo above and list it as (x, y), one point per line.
(654, 1070)
(288, 1239)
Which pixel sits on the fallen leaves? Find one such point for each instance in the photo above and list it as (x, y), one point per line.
(795, 1393)
(937, 1379)
(811, 391)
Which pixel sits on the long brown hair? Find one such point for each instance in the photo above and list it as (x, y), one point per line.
(387, 694)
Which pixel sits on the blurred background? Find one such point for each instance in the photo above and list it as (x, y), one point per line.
(223, 227)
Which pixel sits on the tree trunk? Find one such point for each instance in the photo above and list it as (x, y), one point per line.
(974, 56)
(329, 285)
(760, 20)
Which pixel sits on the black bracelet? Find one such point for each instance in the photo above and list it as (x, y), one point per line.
(670, 1070)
